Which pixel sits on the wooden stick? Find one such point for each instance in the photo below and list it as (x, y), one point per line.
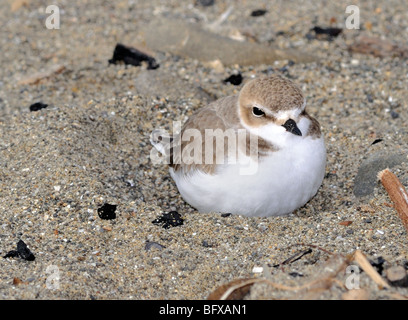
(397, 193)
(37, 77)
(360, 258)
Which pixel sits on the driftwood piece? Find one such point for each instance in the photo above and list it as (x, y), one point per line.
(397, 193)
(362, 261)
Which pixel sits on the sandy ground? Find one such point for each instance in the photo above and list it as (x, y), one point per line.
(90, 146)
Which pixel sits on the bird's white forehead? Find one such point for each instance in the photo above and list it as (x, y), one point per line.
(283, 114)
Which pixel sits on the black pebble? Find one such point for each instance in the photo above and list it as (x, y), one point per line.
(132, 56)
(224, 215)
(11, 254)
(107, 211)
(167, 220)
(295, 274)
(327, 34)
(206, 244)
(331, 175)
(394, 114)
(258, 13)
(206, 3)
(235, 79)
(378, 263)
(38, 106)
(22, 251)
(377, 141)
(332, 32)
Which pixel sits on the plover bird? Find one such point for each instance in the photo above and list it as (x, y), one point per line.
(283, 145)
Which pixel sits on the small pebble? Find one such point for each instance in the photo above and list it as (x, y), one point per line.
(235, 79)
(394, 114)
(22, 251)
(153, 245)
(332, 32)
(107, 211)
(257, 269)
(132, 56)
(38, 106)
(295, 274)
(206, 3)
(167, 220)
(206, 244)
(378, 264)
(397, 276)
(258, 13)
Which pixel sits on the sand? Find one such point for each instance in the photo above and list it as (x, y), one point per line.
(91, 146)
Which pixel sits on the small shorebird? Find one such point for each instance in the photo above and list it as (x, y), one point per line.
(288, 157)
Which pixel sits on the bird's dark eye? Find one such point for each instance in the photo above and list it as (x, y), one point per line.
(257, 112)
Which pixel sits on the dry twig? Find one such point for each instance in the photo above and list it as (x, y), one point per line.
(37, 77)
(360, 258)
(397, 193)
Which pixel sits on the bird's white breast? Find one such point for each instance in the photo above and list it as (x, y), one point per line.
(283, 181)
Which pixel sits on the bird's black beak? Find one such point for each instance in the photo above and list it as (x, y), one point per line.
(290, 126)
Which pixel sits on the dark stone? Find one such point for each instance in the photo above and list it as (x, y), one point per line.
(378, 264)
(394, 114)
(11, 254)
(235, 79)
(206, 3)
(377, 141)
(397, 276)
(332, 32)
(151, 244)
(132, 56)
(38, 106)
(107, 211)
(295, 274)
(366, 178)
(224, 215)
(330, 175)
(258, 13)
(167, 220)
(22, 251)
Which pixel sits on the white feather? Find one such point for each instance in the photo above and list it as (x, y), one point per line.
(284, 181)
